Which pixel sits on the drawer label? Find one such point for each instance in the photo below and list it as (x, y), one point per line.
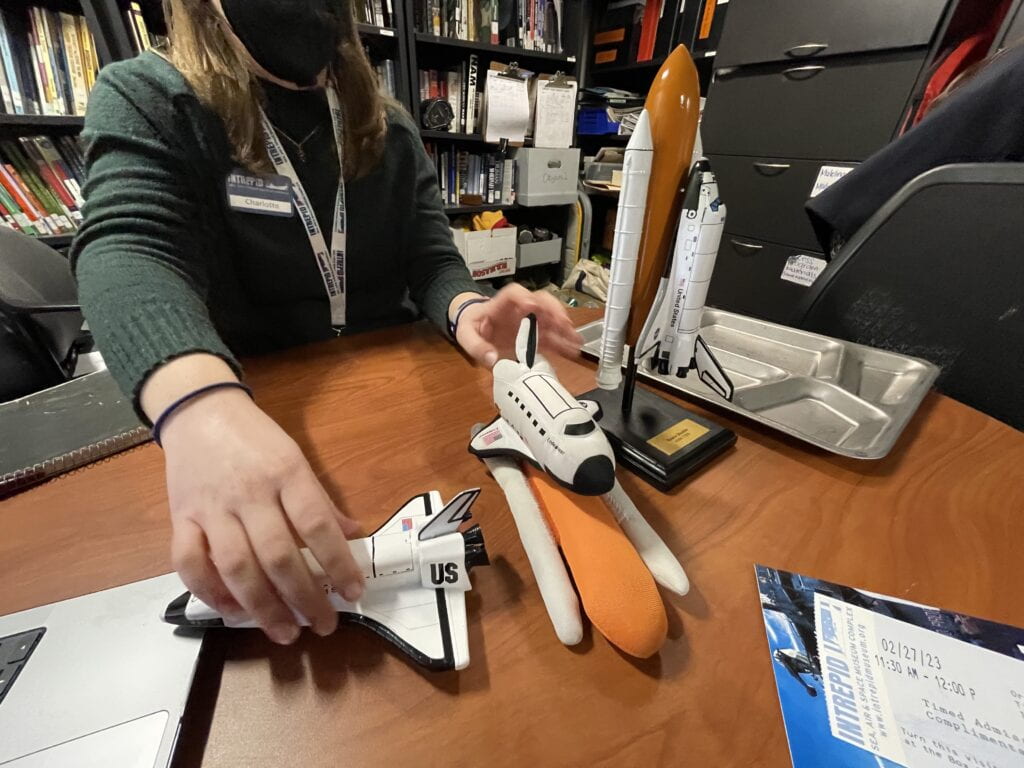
(827, 176)
(802, 269)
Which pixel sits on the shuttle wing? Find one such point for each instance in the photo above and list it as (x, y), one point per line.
(499, 439)
(710, 372)
(428, 625)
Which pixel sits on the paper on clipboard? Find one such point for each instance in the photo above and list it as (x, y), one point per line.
(556, 113)
(507, 102)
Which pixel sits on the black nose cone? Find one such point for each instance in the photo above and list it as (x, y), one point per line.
(594, 476)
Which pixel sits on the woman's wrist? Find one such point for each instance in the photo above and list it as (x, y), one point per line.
(456, 308)
(179, 377)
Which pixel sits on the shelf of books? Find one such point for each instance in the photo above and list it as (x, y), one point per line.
(41, 181)
(528, 28)
(472, 179)
(48, 62)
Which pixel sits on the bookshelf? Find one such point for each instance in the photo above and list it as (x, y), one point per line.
(697, 25)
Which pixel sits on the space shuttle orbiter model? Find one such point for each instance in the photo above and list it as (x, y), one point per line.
(416, 568)
(540, 422)
(670, 342)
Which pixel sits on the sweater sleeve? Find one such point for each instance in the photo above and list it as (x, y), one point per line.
(140, 256)
(435, 268)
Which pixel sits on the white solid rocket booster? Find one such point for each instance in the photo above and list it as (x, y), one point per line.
(636, 173)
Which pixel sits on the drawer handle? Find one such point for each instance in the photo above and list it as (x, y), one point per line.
(807, 49)
(803, 73)
(771, 169)
(746, 249)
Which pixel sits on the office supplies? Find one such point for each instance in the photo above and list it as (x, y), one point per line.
(555, 112)
(506, 104)
(96, 681)
(72, 424)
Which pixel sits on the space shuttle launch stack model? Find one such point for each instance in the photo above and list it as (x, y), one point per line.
(660, 318)
(656, 293)
(568, 504)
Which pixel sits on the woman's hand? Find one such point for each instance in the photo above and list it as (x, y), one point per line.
(240, 490)
(487, 331)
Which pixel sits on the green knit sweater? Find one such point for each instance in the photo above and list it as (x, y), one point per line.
(165, 267)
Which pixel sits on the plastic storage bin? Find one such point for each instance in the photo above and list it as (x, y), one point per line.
(547, 176)
(545, 252)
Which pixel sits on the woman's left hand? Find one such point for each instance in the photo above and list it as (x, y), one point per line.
(487, 331)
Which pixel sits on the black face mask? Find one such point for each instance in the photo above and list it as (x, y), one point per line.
(291, 39)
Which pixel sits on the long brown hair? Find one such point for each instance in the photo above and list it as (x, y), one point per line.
(201, 51)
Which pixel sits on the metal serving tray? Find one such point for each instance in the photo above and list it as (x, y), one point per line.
(846, 398)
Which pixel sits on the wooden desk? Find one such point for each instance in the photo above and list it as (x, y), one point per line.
(387, 415)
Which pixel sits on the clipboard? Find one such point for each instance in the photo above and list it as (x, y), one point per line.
(506, 103)
(555, 111)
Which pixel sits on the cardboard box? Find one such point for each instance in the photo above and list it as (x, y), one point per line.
(490, 253)
(547, 176)
(546, 252)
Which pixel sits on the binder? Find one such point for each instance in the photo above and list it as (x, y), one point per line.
(73, 424)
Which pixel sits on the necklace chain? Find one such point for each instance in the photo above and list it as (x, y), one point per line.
(300, 146)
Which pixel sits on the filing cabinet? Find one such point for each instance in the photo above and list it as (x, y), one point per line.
(801, 85)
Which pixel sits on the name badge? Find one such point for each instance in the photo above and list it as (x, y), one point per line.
(269, 195)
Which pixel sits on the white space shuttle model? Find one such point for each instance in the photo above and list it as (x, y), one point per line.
(670, 342)
(539, 421)
(416, 568)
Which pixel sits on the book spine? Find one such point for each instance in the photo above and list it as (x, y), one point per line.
(61, 80)
(10, 71)
(74, 55)
(39, 63)
(130, 23)
(140, 27)
(88, 52)
(471, 89)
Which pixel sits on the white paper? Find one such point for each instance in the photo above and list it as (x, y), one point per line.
(802, 269)
(915, 696)
(556, 115)
(508, 108)
(827, 176)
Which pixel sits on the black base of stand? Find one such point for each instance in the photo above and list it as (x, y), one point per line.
(658, 440)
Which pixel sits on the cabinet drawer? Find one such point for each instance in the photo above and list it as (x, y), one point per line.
(748, 278)
(825, 111)
(765, 197)
(762, 31)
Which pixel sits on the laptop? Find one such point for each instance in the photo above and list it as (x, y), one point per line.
(98, 681)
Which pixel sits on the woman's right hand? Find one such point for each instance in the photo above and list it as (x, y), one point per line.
(240, 491)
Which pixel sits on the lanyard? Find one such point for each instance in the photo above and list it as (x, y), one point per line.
(331, 262)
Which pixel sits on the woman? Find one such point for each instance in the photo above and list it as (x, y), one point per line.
(215, 225)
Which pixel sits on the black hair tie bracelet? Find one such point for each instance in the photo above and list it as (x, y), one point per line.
(158, 425)
(453, 326)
